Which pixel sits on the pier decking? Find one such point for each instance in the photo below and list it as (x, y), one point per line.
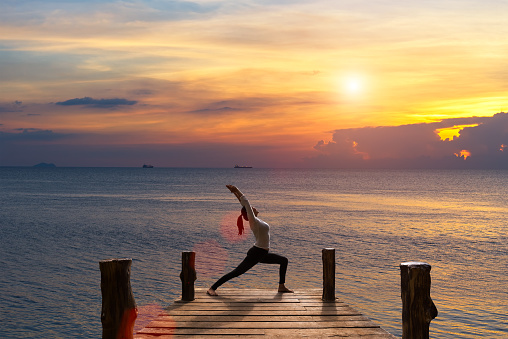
(250, 313)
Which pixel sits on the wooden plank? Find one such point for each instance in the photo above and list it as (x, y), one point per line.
(360, 333)
(259, 302)
(363, 333)
(236, 308)
(265, 324)
(199, 336)
(266, 306)
(262, 312)
(251, 318)
(204, 331)
(229, 290)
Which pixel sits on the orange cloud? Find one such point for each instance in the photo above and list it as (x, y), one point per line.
(464, 153)
(448, 133)
(365, 155)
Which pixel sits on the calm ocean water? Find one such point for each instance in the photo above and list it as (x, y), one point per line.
(57, 224)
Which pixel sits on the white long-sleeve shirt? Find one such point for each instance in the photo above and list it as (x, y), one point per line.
(260, 228)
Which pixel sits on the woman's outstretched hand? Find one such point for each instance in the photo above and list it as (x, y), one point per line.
(235, 191)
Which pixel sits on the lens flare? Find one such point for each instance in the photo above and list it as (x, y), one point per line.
(228, 228)
(148, 313)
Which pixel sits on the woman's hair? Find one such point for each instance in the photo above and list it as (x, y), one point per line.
(239, 221)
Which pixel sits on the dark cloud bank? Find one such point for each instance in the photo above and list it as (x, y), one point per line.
(418, 146)
(415, 146)
(15, 106)
(97, 103)
(29, 136)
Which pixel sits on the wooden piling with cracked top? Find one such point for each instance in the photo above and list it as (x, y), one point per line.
(418, 309)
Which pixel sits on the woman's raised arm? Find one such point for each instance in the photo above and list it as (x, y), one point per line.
(235, 191)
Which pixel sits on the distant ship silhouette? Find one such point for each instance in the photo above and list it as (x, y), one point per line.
(147, 166)
(238, 166)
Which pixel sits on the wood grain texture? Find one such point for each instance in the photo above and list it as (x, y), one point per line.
(252, 313)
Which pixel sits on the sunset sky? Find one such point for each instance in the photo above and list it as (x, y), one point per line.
(304, 83)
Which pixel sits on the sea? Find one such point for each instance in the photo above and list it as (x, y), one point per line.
(57, 224)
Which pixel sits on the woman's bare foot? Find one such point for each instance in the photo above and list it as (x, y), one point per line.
(284, 289)
(211, 293)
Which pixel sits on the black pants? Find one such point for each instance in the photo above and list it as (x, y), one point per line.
(256, 255)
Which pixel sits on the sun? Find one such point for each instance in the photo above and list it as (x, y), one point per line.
(352, 85)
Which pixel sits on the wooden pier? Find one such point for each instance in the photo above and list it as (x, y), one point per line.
(247, 313)
(251, 313)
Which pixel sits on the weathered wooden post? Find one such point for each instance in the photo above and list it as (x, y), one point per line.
(119, 310)
(418, 309)
(328, 274)
(188, 275)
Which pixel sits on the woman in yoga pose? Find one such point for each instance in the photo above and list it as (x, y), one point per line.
(259, 253)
